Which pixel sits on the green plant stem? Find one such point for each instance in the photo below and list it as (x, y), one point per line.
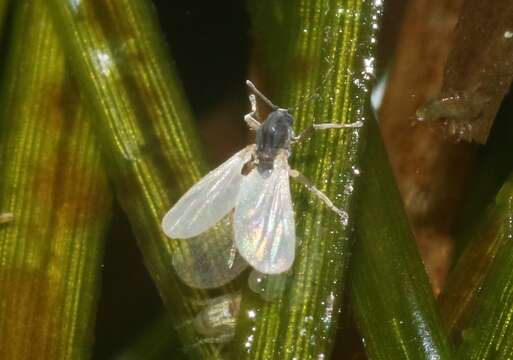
(155, 342)
(3, 8)
(394, 306)
(464, 283)
(54, 185)
(487, 332)
(492, 170)
(479, 235)
(322, 71)
(145, 129)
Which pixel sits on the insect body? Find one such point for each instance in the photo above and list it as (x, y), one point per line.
(255, 183)
(457, 115)
(217, 321)
(272, 136)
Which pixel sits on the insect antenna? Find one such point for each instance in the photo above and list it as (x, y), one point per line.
(260, 95)
(305, 99)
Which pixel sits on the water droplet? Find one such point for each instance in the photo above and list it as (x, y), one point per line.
(269, 287)
(327, 34)
(249, 341)
(344, 218)
(103, 61)
(369, 65)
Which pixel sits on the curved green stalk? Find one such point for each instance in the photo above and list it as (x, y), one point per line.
(54, 185)
(479, 235)
(484, 238)
(155, 342)
(493, 169)
(145, 129)
(486, 332)
(320, 55)
(3, 8)
(394, 305)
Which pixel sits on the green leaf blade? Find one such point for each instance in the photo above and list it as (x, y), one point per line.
(145, 128)
(54, 185)
(322, 72)
(390, 290)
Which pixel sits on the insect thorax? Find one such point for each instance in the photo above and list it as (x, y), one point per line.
(274, 134)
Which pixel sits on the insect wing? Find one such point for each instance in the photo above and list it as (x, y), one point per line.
(208, 201)
(209, 260)
(264, 225)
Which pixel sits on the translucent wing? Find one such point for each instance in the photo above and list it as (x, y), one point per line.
(264, 226)
(208, 201)
(209, 260)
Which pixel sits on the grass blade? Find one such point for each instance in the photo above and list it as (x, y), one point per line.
(429, 170)
(3, 9)
(482, 229)
(55, 187)
(323, 72)
(158, 340)
(485, 328)
(145, 127)
(391, 294)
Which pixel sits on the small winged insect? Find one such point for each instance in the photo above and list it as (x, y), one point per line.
(217, 321)
(250, 192)
(457, 115)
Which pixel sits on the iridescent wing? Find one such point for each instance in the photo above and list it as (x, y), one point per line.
(209, 260)
(208, 201)
(264, 227)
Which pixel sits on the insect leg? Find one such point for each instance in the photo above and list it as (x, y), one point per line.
(253, 123)
(260, 95)
(311, 187)
(233, 255)
(325, 126)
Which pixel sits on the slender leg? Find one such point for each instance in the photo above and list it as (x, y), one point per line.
(311, 187)
(233, 255)
(309, 131)
(253, 123)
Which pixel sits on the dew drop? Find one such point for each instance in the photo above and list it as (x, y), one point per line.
(268, 287)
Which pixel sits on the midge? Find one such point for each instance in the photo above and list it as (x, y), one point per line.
(254, 182)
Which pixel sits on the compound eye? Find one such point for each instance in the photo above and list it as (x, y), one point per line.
(290, 119)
